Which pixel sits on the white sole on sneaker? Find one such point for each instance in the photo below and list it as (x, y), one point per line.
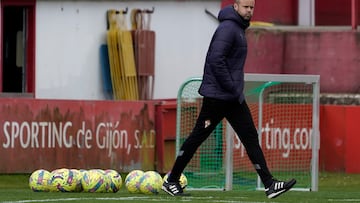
(164, 188)
(272, 195)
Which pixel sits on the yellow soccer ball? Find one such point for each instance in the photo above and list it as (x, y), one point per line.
(132, 181)
(115, 180)
(39, 180)
(151, 182)
(63, 180)
(94, 181)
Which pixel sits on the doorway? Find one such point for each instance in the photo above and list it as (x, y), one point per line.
(18, 55)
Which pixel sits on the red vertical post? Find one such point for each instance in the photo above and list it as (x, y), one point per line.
(354, 14)
(1, 45)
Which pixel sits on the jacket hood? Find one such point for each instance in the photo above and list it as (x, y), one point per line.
(229, 13)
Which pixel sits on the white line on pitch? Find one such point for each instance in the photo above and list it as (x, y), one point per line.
(185, 199)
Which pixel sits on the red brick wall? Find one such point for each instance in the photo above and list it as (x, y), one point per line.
(333, 55)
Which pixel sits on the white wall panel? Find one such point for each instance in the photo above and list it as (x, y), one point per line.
(69, 35)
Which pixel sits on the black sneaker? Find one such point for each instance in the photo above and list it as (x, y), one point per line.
(173, 188)
(279, 187)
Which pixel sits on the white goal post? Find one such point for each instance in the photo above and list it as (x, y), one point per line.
(285, 108)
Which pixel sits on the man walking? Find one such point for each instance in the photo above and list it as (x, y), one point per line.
(222, 90)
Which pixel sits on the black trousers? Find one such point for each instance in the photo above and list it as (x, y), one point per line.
(239, 117)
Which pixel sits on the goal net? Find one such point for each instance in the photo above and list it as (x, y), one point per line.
(285, 109)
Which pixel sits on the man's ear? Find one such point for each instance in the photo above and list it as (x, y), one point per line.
(236, 6)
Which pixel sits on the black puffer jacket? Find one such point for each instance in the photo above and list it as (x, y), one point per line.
(224, 66)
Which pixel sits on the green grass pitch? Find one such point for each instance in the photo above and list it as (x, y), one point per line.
(333, 187)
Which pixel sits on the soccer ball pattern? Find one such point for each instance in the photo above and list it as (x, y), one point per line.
(39, 180)
(151, 182)
(63, 180)
(132, 181)
(77, 176)
(94, 181)
(114, 179)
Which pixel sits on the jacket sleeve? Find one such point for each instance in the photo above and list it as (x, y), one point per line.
(220, 48)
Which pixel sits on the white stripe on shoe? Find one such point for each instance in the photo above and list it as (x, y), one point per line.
(174, 189)
(279, 185)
